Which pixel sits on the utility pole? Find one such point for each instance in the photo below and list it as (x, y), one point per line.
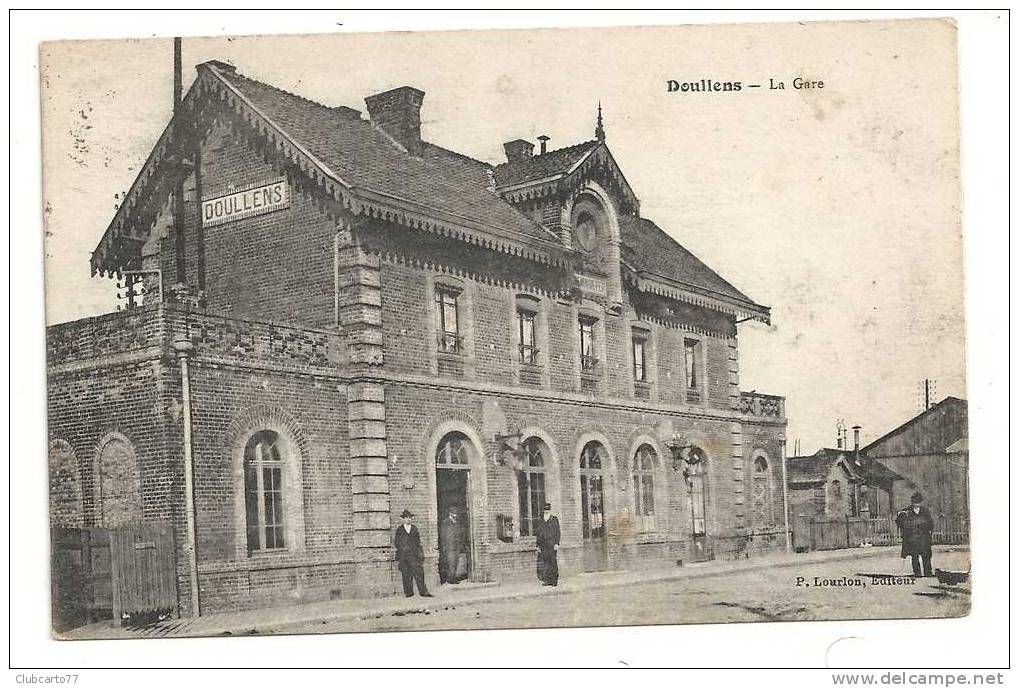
(927, 390)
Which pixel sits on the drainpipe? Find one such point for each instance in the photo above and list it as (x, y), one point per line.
(183, 346)
(785, 496)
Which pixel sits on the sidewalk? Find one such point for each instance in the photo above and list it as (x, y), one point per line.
(279, 619)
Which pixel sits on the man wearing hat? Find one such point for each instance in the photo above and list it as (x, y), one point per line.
(916, 525)
(409, 555)
(547, 533)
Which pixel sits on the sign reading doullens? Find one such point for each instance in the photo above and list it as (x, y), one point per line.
(258, 200)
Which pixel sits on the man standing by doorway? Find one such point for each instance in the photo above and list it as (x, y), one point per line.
(547, 533)
(409, 555)
(452, 538)
(916, 526)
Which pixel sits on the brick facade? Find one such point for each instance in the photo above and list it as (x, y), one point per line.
(318, 326)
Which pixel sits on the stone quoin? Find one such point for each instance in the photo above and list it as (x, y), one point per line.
(384, 324)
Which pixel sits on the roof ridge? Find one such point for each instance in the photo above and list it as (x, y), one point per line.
(303, 99)
(457, 154)
(539, 156)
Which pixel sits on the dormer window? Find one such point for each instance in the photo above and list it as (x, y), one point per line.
(447, 314)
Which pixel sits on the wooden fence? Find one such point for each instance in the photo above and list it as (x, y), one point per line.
(112, 573)
(822, 533)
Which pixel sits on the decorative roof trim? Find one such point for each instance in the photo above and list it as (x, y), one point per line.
(413, 215)
(655, 284)
(141, 181)
(356, 199)
(545, 186)
(308, 154)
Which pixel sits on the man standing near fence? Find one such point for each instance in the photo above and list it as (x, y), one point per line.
(916, 526)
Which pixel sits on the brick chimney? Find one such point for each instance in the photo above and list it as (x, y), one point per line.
(398, 113)
(518, 150)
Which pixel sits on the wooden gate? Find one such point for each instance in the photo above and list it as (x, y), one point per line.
(111, 573)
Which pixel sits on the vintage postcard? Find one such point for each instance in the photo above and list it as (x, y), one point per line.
(505, 329)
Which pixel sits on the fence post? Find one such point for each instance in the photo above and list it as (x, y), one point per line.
(847, 531)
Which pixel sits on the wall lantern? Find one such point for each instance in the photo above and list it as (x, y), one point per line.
(509, 450)
(680, 453)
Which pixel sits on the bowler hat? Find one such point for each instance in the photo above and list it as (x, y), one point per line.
(406, 514)
(916, 498)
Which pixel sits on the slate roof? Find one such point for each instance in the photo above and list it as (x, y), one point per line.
(652, 250)
(880, 473)
(542, 166)
(806, 470)
(365, 157)
(814, 468)
(438, 183)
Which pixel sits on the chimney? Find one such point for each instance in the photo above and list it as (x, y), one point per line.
(518, 150)
(544, 144)
(856, 438)
(398, 113)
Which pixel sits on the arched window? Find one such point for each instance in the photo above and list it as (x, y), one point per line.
(592, 503)
(117, 484)
(263, 491)
(454, 450)
(644, 488)
(531, 484)
(761, 491)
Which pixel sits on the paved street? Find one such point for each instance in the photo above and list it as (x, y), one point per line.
(760, 595)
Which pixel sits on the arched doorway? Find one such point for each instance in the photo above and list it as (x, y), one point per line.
(593, 458)
(696, 493)
(453, 499)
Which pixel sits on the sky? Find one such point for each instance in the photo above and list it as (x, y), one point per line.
(838, 207)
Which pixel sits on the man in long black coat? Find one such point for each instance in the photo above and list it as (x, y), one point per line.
(410, 557)
(452, 538)
(916, 525)
(547, 532)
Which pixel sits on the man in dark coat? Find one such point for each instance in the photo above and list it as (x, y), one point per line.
(452, 537)
(409, 555)
(916, 525)
(547, 532)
